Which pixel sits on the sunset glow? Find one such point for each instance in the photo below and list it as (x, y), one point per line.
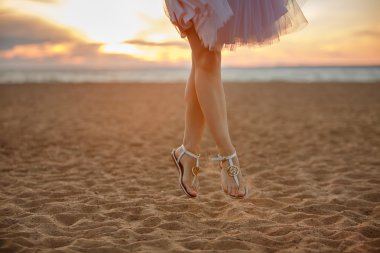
(137, 33)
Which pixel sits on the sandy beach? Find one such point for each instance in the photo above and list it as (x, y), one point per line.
(87, 168)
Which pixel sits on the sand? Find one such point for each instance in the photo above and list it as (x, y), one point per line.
(87, 168)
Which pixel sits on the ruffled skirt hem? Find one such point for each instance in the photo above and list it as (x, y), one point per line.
(232, 23)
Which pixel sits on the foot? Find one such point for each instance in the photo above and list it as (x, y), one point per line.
(235, 186)
(228, 182)
(188, 163)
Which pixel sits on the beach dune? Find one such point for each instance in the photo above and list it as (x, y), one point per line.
(87, 168)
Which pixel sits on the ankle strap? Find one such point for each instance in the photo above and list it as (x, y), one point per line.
(224, 158)
(185, 151)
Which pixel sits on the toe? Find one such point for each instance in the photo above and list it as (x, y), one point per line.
(225, 188)
(191, 191)
(242, 191)
(235, 191)
(230, 190)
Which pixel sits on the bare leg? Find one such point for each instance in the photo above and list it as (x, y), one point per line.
(211, 97)
(194, 126)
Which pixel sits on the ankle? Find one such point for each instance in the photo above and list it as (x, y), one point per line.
(226, 151)
(193, 148)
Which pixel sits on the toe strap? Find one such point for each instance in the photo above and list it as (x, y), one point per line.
(237, 180)
(193, 182)
(195, 170)
(233, 171)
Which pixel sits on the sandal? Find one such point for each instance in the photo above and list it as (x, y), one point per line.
(195, 170)
(232, 170)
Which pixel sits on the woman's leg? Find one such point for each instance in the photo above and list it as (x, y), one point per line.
(194, 119)
(211, 97)
(194, 126)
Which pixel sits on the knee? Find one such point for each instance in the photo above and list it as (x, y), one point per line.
(208, 61)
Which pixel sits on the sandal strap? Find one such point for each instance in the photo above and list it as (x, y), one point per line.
(224, 158)
(195, 156)
(187, 152)
(194, 180)
(231, 164)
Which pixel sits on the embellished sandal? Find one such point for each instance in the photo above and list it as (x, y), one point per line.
(232, 170)
(195, 170)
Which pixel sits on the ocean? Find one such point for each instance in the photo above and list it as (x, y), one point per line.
(179, 75)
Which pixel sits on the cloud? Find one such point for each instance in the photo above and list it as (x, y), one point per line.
(156, 44)
(367, 32)
(46, 1)
(68, 55)
(16, 29)
(30, 42)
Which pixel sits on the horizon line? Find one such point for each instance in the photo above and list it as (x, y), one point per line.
(8, 68)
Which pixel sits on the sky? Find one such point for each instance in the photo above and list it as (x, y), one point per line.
(135, 34)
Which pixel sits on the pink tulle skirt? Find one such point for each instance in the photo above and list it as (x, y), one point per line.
(231, 23)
